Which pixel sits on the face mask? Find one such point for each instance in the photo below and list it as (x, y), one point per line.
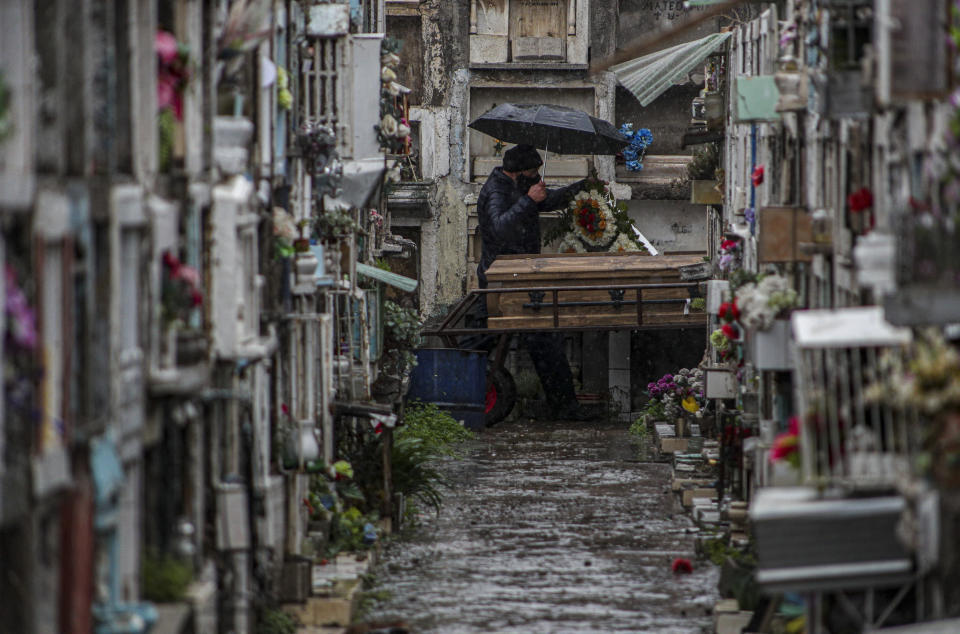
(525, 182)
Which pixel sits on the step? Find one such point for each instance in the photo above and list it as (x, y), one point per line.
(691, 494)
(335, 609)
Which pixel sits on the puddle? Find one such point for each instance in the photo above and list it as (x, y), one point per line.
(549, 527)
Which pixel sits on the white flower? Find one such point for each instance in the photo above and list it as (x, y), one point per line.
(403, 131)
(394, 89)
(389, 59)
(623, 244)
(284, 225)
(761, 302)
(389, 125)
(387, 75)
(570, 244)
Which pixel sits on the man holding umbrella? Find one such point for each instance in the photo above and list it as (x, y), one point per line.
(508, 210)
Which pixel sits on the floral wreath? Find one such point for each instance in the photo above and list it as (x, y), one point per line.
(593, 218)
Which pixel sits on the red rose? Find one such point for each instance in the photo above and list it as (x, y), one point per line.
(730, 331)
(735, 310)
(860, 200)
(724, 309)
(757, 177)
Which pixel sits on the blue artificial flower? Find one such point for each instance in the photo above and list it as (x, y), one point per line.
(626, 130)
(645, 136)
(630, 154)
(634, 166)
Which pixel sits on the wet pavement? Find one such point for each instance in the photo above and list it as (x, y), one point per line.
(549, 527)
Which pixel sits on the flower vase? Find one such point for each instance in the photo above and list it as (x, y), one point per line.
(168, 347)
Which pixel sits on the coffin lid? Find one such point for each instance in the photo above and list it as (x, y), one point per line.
(575, 266)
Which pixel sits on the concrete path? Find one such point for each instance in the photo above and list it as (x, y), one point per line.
(549, 527)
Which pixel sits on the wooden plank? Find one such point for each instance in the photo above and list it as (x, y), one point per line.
(586, 265)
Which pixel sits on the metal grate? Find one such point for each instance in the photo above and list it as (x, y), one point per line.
(847, 439)
(321, 82)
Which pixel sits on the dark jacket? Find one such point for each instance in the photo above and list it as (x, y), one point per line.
(509, 219)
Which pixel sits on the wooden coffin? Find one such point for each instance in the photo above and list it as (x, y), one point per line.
(585, 306)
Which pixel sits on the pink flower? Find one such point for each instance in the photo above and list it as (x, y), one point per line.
(188, 274)
(166, 46)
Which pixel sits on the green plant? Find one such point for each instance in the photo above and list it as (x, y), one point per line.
(334, 223)
(401, 335)
(438, 430)
(348, 531)
(163, 577)
(274, 621)
(414, 475)
(639, 429)
(698, 304)
(703, 166)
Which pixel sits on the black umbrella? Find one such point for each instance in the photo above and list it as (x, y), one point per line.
(552, 128)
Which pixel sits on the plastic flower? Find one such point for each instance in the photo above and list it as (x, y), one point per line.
(757, 176)
(690, 404)
(387, 75)
(730, 331)
(389, 125)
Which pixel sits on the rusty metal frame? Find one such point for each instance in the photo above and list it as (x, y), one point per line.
(446, 329)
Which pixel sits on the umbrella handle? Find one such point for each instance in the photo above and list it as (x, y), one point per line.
(546, 150)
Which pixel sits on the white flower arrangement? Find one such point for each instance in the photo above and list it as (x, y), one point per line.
(570, 244)
(761, 302)
(624, 244)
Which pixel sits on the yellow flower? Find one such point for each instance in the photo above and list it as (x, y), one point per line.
(690, 404)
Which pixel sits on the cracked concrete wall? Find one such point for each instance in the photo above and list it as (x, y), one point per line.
(445, 30)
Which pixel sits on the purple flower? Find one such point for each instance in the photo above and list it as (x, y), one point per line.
(672, 386)
(667, 377)
(22, 322)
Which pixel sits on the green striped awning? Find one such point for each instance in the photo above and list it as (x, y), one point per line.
(398, 281)
(650, 76)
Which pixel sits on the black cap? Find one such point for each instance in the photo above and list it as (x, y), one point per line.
(520, 158)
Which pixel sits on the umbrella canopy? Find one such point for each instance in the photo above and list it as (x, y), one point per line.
(557, 129)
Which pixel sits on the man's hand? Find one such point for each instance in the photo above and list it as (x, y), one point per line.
(538, 192)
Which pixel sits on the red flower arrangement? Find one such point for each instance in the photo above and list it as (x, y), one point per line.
(728, 311)
(860, 200)
(180, 293)
(786, 446)
(730, 331)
